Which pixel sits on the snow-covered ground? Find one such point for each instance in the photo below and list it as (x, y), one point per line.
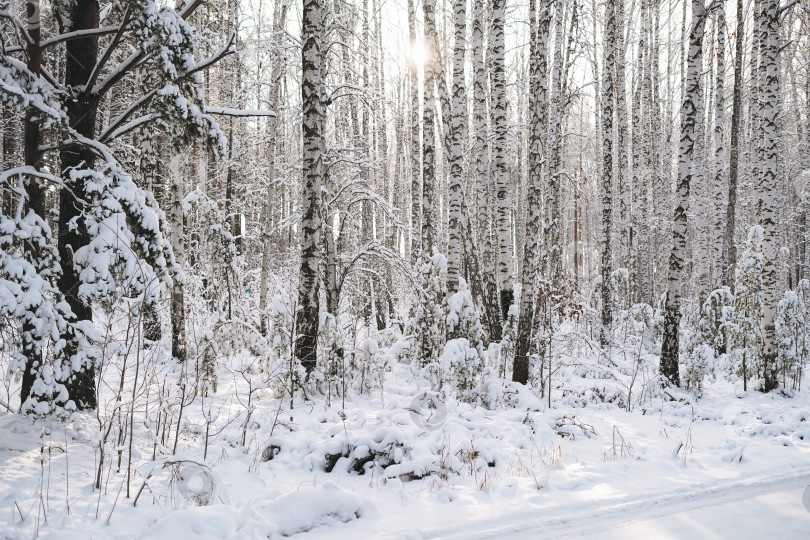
(730, 465)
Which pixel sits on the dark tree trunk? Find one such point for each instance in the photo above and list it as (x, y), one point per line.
(34, 193)
(729, 248)
(80, 59)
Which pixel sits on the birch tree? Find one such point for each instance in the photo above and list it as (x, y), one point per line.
(718, 181)
(428, 133)
(503, 224)
(686, 166)
(729, 255)
(607, 102)
(537, 105)
(457, 147)
(484, 200)
(415, 146)
(312, 126)
(768, 183)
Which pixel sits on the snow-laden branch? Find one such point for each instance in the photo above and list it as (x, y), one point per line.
(115, 129)
(137, 57)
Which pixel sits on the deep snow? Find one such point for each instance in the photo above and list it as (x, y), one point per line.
(726, 465)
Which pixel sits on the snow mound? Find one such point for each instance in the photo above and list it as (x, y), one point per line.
(310, 507)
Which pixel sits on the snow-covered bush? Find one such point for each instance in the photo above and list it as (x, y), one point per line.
(792, 336)
(368, 366)
(212, 252)
(280, 360)
(462, 365)
(635, 327)
(463, 321)
(506, 349)
(706, 339)
(744, 333)
(426, 326)
(620, 288)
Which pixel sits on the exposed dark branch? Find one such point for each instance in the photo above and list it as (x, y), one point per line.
(107, 52)
(227, 111)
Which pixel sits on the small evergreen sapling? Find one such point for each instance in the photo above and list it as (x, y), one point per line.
(744, 331)
(792, 338)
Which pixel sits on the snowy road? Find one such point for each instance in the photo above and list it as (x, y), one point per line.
(776, 515)
(772, 509)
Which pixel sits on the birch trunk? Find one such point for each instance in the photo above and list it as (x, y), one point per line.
(768, 182)
(640, 142)
(177, 237)
(428, 133)
(415, 146)
(503, 221)
(717, 225)
(492, 316)
(686, 165)
(307, 315)
(623, 187)
(537, 106)
(729, 258)
(608, 71)
(553, 248)
(457, 147)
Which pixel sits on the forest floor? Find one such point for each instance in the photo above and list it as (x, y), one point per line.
(730, 464)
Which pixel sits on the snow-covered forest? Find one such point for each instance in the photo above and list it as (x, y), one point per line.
(404, 268)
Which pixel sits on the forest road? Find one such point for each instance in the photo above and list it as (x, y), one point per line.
(773, 508)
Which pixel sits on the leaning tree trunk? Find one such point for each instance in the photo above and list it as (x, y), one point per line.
(537, 104)
(686, 166)
(80, 59)
(609, 48)
(768, 183)
(503, 224)
(306, 319)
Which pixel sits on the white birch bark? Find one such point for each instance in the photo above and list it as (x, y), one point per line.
(553, 248)
(415, 147)
(718, 184)
(456, 147)
(608, 99)
(768, 182)
(686, 167)
(428, 133)
(503, 224)
(178, 241)
(537, 105)
(312, 126)
(621, 182)
(484, 199)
